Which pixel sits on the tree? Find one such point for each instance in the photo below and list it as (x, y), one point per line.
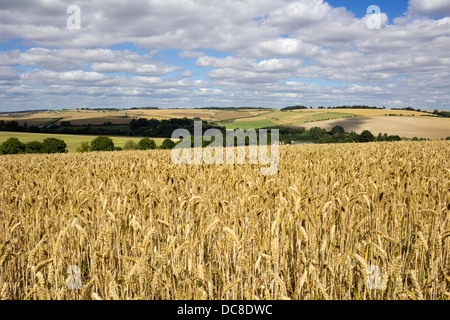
(415, 139)
(380, 137)
(394, 138)
(102, 144)
(338, 137)
(146, 144)
(337, 130)
(11, 125)
(84, 147)
(130, 145)
(139, 123)
(294, 108)
(12, 146)
(354, 136)
(316, 132)
(167, 144)
(53, 145)
(33, 147)
(366, 136)
(35, 129)
(326, 139)
(448, 138)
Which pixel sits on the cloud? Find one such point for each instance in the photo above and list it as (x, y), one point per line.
(134, 68)
(99, 60)
(429, 7)
(64, 59)
(191, 54)
(255, 52)
(268, 65)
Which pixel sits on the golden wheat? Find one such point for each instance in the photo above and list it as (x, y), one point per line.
(136, 226)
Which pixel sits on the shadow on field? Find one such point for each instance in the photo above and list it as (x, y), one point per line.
(354, 124)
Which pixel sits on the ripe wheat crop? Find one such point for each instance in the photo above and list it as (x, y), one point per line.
(132, 225)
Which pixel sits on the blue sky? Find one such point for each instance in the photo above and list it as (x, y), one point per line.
(395, 8)
(178, 53)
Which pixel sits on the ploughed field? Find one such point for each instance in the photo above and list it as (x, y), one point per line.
(343, 221)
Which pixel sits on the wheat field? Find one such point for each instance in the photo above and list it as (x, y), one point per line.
(353, 221)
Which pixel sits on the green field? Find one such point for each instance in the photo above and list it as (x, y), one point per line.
(72, 141)
(279, 118)
(249, 124)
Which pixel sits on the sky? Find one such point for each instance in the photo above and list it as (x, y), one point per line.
(223, 53)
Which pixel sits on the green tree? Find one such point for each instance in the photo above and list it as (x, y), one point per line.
(316, 133)
(354, 136)
(448, 138)
(380, 137)
(326, 139)
(102, 144)
(337, 130)
(415, 139)
(367, 136)
(12, 146)
(53, 145)
(394, 138)
(146, 144)
(167, 144)
(339, 137)
(84, 147)
(33, 147)
(130, 145)
(11, 125)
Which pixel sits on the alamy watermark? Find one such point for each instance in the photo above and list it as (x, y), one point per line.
(374, 280)
(235, 151)
(73, 22)
(74, 280)
(374, 20)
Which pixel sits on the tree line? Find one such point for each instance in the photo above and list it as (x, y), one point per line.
(442, 114)
(107, 144)
(141, 127)
(49, 145)
(336, 135)
(53, 145)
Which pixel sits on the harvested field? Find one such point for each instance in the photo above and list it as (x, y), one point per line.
(277, 117)
(377, 112)
(95, 117)
(409, 127)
